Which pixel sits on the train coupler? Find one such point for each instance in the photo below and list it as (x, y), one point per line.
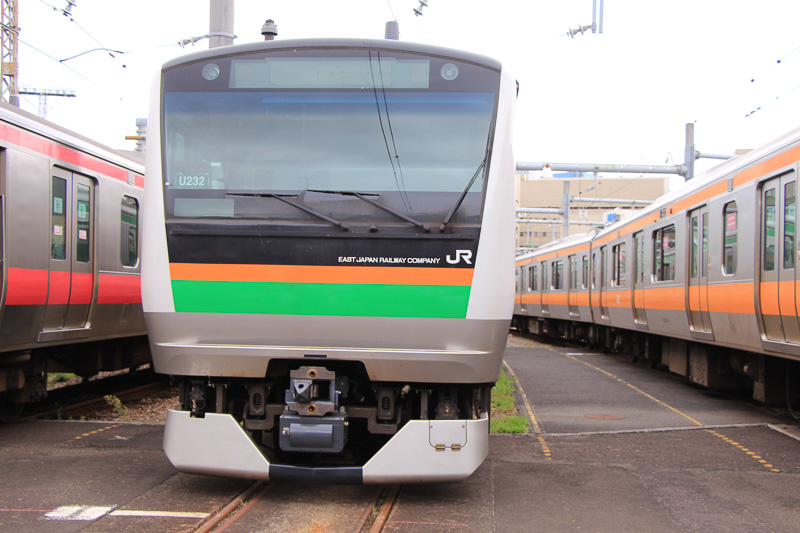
(326, 434)
(313, 420)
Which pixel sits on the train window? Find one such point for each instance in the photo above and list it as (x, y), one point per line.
(318, 105)
(664, 251)
(129, 236)
(789, 208)
(618, 272)
(58, 220)
(705, 266)
(769, 230)
(729, 256)
(603, 266)
(533, 278)
(596, 270)
(638, 258)
(84, 215)
(585, 272)
(695, 246)
(573, 272)
(558, 268)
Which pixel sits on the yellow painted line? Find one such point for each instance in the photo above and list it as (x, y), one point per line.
(637, 389)
(747, 451)
(754, 455)
(95, 432)
(157, 514)
(536, 427)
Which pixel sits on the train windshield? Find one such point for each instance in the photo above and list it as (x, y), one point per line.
(353, 135)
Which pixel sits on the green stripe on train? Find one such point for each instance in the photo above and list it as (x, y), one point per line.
(325, 299)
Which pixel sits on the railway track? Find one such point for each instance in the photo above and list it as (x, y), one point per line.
(372, 519)
(85, 407)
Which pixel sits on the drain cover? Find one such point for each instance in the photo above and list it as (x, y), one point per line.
(605, 417)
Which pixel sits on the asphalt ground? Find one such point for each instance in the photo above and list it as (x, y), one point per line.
(613, 447)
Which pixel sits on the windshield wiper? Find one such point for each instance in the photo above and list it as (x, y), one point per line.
(361, 196)
(463, 195)
(280, 197)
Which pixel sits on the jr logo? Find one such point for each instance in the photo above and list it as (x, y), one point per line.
(466, 255)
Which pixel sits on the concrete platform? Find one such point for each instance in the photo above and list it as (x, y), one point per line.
(619, 448)
(67, 476)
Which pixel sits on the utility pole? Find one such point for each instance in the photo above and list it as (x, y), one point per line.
(689, 153)
(220, 24)
(8, 51)
(43, 94)
(595, 27)
(686, 169)
(141, 135)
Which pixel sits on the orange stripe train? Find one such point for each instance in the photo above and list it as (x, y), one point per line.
(704, 281)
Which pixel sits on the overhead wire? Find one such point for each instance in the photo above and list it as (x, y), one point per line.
(62, 62)
(71, 17)
(757, 78)
(56, 60)
(778, 62)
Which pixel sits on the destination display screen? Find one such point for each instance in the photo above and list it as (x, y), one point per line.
(330, 73)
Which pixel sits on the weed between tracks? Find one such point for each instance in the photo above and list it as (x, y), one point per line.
(505, 417)
(369, 520)
(119, 408)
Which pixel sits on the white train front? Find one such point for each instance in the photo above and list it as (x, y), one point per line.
(329, 267)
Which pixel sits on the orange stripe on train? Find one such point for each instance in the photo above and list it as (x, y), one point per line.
(322, 274)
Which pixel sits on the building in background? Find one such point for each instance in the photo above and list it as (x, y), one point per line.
(546, 190)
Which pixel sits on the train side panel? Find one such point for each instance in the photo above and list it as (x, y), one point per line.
(68, 301)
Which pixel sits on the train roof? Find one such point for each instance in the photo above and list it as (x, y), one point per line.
(134, 161)
(720, 172)
(292, 44)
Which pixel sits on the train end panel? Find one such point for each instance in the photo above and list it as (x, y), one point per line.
(423, 451)
(319, 310)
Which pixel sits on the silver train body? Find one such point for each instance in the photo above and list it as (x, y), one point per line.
(704, 281)
(70, 297)
(329, 263)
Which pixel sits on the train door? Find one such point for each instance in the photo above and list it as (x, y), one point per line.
(71, 284)
(520, 280)
(638, 279)
(594, 290)
(545, 284)
(603, 281)
(572, 295)
(699, 317)
(585, 283)
(533, 284)
(778, 284)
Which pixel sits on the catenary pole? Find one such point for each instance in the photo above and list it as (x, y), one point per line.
(220, 23)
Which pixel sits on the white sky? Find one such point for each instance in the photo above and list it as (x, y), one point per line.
(623, 96)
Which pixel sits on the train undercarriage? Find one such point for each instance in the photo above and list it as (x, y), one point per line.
(23, 373)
